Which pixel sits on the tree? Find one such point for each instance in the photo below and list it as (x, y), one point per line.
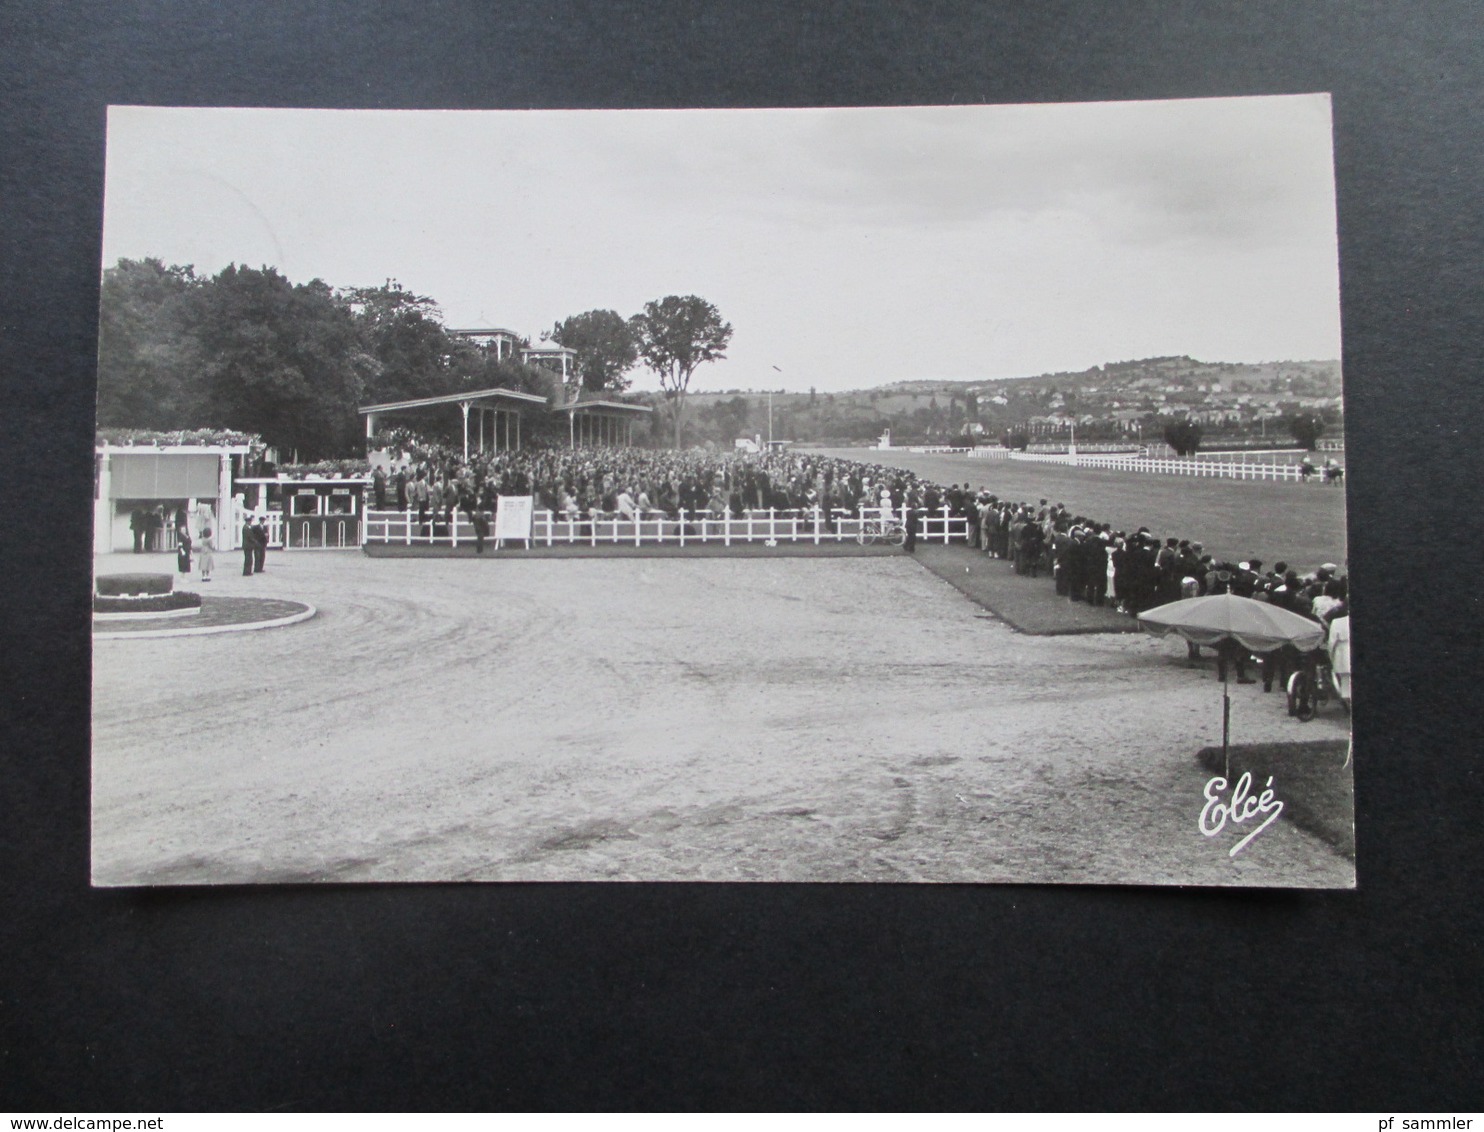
(404, 333)
(731, 418)
(149, 365)
(605, 345)
(674, 336)
(1306, 428)
(1184, 436)
(283, 361)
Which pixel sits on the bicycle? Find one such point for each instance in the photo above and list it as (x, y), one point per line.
(888, 531)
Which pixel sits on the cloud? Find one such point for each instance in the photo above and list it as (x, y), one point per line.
(1254, 170)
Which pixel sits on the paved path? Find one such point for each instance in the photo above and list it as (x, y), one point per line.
(1029, 605)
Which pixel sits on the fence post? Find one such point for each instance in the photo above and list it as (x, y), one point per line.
(772, 525)
(945, 524)
(816, 524)
(682, 526)
(406, 528)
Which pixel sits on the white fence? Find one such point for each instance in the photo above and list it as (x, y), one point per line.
(988, 453)
(550, 529)
(1177, 467)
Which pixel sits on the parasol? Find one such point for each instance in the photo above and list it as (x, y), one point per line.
(1255, 625)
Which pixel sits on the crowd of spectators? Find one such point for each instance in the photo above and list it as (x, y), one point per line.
(436, 482)
(1084, 559)
(1091, 562)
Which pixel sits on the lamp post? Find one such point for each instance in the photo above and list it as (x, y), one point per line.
(770, 415)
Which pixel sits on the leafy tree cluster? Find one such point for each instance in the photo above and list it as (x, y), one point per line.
(673, 336)
(1184, 436)
(247, 349)
(1306, 429)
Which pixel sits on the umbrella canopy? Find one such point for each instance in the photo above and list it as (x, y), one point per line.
(1255, 625)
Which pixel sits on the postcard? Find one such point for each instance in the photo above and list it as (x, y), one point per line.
(897, 494)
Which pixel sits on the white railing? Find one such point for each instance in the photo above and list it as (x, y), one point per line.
(550, 529)
(941, 449)
(988, 453)
(1223, 470)
(315, 535)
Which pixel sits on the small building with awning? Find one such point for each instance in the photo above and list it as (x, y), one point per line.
(596, 423)
(156, 482)
(492, 417)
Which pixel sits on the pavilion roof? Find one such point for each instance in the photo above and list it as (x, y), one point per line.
(471, 396)
(598, 403)
(485, 332)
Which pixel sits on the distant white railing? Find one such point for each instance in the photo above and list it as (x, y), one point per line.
(550, 529)
(1177, 467)
(941, 449)
(988, 453)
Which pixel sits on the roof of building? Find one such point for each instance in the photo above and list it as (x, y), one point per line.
(485, 332)
(598, 403)
(457, 398)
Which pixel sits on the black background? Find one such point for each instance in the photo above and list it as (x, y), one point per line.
(797, 996)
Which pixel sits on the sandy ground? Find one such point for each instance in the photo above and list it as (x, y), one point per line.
(662, 719)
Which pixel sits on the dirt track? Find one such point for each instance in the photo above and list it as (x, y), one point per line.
(661, 719)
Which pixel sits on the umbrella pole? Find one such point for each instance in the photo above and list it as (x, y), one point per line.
(1226, 724)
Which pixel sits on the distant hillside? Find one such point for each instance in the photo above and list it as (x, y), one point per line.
(1121, 398)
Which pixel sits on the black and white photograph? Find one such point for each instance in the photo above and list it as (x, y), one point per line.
(945, 494)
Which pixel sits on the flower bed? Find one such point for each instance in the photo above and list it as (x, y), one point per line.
(118, 585)
(146, 604)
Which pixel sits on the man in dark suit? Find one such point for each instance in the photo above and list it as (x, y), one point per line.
(260, 543)
(249, 540)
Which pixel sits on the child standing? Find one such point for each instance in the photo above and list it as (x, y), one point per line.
(206, 554)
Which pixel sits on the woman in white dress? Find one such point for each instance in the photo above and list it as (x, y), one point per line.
(1339, 655)
(206, 553)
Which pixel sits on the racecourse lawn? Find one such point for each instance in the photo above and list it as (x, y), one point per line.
(1302, 524)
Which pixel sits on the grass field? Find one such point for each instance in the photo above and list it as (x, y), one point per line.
(1303, 524)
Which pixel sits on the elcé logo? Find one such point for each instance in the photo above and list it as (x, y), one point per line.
(1243, 807)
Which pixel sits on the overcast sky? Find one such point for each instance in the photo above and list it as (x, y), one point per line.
(846, 247)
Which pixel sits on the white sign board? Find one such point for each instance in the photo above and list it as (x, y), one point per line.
(513, 518)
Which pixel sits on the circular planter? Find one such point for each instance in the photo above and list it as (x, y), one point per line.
(146, 605)
(190, 611)
(121, 585)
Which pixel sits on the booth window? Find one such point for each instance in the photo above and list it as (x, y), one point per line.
(304, 503)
